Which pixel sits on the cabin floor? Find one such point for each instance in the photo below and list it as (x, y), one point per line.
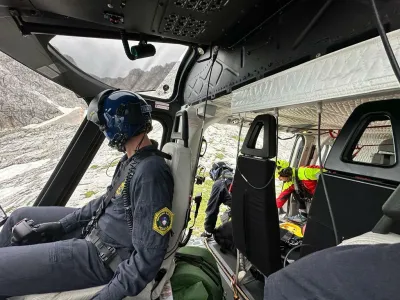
(251, 287)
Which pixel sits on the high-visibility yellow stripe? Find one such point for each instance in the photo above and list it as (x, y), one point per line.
(306, 173)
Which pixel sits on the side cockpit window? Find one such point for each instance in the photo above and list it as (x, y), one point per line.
(39, 119)
(99, 173)
(375, 144)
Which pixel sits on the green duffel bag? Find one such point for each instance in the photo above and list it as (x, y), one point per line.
(196, 275)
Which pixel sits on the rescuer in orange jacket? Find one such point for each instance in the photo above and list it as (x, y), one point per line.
(301, 182)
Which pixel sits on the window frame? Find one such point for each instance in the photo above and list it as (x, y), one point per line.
(347, 153)
(295, 158)
(187, 57)
(164, 133)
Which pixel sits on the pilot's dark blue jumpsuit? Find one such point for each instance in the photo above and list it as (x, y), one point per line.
(73, 263)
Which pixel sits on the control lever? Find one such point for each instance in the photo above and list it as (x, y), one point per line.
(197, 200)
(200, 179)
(3, 216)
(201, 176)
(24, 232)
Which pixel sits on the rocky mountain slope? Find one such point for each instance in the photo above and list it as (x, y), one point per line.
(139, 80)
(29, 98)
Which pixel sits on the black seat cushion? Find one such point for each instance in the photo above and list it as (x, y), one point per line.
(254, 213)
(356, 206)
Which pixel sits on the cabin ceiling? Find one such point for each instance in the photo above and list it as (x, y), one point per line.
(304, 117)
(256, 38)
(199, 22)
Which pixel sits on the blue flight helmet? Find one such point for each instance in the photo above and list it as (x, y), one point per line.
(120, 115)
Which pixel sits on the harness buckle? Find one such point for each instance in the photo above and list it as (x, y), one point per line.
(106, 253)
(89, 227)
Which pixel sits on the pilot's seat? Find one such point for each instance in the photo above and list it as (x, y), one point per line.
(180, 165)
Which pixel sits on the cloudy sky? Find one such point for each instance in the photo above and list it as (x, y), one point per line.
(106, 58)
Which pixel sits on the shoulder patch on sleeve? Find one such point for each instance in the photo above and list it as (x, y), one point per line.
(162, 221)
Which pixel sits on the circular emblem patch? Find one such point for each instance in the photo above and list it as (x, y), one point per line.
(162, 222)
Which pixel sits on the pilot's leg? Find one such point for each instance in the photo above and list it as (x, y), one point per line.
(38, 215)
(52, 267)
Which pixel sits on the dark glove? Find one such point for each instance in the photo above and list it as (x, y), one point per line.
(51, 230)
(40, 233)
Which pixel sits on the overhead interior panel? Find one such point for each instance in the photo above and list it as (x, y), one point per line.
(193, 21)
(358, 70)
(292, 37)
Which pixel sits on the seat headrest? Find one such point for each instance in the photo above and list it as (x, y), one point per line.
(267, 123)
(382, 159)
(387, 146)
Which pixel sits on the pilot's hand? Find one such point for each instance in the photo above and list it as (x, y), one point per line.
(39, 233)
(15, 242)
(50, 231)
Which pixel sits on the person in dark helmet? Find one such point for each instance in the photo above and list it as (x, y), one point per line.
(119, 239)
(301, 182)
(222, 175)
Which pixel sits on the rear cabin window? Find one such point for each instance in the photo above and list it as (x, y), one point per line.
(260, 139)
(375, 145)
(324, 152)
(297, 150)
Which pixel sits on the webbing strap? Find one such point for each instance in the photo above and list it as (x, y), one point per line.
(107, 254)
(295, 181)
(137, 158)
(300, 189)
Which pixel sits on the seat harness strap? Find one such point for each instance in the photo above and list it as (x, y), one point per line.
(301, 191)
(108, 254)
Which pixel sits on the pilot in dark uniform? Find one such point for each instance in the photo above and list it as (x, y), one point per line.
(118, 240)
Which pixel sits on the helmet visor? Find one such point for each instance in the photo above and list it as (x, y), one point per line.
(96, 106)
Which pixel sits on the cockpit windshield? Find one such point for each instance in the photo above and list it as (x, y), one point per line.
(105, 60)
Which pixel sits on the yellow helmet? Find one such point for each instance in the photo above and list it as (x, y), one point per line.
(280, 165)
